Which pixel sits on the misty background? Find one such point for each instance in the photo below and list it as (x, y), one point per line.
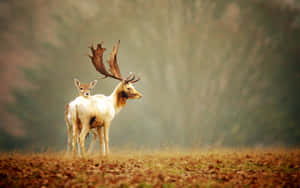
(214, 72)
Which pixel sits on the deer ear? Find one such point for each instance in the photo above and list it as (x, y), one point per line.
(93, 83)
(76, 82)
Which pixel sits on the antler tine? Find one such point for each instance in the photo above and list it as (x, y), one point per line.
(113, 64)
(92, 49)
(133, 77)
(129, 76)
(138, 79)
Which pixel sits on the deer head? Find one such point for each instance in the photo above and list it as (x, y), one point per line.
(128, 91)
(126, 88)
(84, 89)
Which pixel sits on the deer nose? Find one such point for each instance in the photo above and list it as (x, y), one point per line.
(86, 94)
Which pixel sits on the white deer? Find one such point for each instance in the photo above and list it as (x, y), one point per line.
(97, 112)
(84, 90)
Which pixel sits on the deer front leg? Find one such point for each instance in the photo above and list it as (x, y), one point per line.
(82, 136)
(91, 146)
(74, 143)
(100, 134)
(106, 140)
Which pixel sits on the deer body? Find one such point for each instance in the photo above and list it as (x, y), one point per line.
(98, 111)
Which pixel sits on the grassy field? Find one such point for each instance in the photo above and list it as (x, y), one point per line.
(209, 168)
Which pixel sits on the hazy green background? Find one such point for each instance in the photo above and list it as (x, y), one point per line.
(214, 72)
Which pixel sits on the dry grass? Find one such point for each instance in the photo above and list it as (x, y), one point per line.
(168, 168)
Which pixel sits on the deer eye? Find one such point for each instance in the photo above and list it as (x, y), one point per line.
(81, 88)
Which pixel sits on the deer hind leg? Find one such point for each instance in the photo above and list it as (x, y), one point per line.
(78, 144)
(69, 128)
(82, 137)
(74, 143)
(92, 144)
(69, 138)
(106, 138)
(101, 144)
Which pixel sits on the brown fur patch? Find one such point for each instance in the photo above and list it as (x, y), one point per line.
(92, 120)
(79, 126)
(95, 123)
(121, 99)
(78, 122)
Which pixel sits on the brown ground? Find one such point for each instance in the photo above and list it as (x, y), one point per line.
(218, 168)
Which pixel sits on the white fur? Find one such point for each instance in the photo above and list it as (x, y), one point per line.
(103, 108)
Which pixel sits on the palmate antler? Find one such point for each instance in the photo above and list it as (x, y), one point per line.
(114, 71)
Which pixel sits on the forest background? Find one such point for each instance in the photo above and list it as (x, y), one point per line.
(215, 73)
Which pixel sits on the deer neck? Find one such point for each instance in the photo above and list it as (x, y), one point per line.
(119, 98)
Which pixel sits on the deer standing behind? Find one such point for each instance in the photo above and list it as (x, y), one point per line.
(98, 110)
(84, 90)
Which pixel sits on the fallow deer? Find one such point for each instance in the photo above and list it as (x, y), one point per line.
(84, 90)
(100, 110)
